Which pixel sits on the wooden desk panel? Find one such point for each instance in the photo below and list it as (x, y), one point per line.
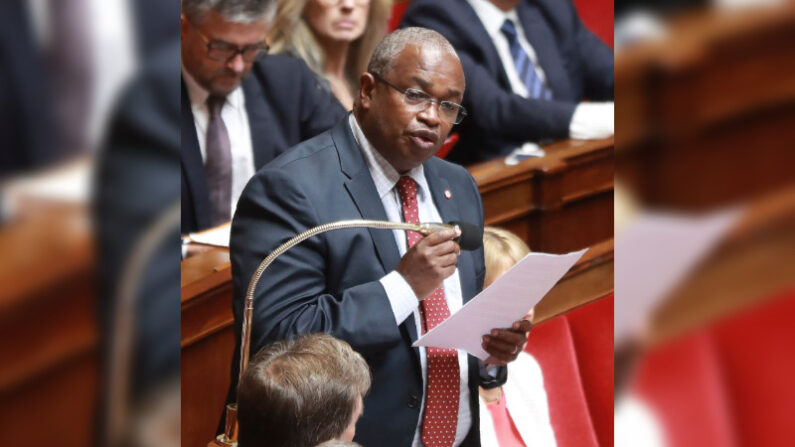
(558, 203)
(704, 116)
(49, 379)
(208, 342)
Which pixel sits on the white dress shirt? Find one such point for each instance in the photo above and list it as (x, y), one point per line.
(112, 50)
(236, 121)
(400, 294)
(590, 120)
(492, 19)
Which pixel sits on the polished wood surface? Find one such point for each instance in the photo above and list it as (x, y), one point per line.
(207, 342)
(704, 116)
(49, 381)
(590, 279)
(557, 203)
(754, 263)
(208, 338)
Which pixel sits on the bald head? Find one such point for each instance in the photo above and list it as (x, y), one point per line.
(383, 59)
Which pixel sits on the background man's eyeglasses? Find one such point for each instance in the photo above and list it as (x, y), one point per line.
(223, 51)
(419, 100)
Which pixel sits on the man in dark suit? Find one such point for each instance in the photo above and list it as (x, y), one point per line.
(530, 65)
(26, 119)
(240, 109)
(379, 290)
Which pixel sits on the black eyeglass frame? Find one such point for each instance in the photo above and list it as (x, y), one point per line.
(234, 50)
(428, 99)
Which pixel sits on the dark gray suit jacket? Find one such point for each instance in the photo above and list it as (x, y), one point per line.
(330, 284)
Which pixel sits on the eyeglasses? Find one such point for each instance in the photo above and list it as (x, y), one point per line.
(419, 100)
(331, 3)
(224, 51)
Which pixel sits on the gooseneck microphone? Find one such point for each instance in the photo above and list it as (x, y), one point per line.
(470, 239)
(471, 235)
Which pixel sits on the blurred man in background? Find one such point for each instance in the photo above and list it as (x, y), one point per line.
(531, 65)
(240, 109)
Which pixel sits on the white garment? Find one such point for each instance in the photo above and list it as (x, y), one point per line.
(526, 401)
(235, 119)
(590, 120)
(635, 425)
(113, 54)
(400, 294)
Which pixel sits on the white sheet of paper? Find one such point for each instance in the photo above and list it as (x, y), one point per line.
(218, 236)
(653, 254)
(508, 299)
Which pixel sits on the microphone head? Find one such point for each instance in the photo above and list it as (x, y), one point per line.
(471, 236)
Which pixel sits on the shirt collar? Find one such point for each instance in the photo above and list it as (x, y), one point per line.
(198, 95)
(385, 176)
(492, 16)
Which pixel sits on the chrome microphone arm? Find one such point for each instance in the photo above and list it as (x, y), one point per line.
(229, 437)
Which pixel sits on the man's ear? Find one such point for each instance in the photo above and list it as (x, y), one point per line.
(367, 89)
(183, 24)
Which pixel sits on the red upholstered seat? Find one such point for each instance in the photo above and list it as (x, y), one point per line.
(730, 383)
(451, 140)
(575, 352)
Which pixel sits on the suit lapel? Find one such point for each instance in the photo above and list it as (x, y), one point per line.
(543, 42)
(448, 210)
(192, 164)
(364, 194)
(260, 121)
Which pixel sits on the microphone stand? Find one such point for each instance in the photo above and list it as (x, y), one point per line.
(229, 437)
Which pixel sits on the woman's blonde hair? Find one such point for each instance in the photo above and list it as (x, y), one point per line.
(501, 250)
(291, 33)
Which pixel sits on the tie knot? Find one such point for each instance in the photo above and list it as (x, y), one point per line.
(509, 29)
(407, 187)
(215, 103)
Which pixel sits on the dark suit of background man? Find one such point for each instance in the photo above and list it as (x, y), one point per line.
(527, 78)
(240, 108)
(370, 287)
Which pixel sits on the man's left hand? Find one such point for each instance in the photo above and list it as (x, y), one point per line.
(504, 345)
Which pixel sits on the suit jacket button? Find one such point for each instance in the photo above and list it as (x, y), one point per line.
(414, 401)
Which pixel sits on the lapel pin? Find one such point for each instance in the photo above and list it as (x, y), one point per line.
(448, 194)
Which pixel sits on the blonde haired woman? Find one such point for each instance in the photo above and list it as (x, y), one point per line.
(501, 249)
(334, 37)
(516, 414)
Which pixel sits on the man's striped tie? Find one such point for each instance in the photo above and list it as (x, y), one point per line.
(524, 66)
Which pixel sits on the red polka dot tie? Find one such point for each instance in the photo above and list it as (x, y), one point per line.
(441, 397)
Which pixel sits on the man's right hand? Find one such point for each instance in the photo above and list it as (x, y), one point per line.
(430, 261)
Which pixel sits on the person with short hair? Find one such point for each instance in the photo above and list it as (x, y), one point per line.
(379, 290)
(240, 107)
(302, 392)
(334, 37)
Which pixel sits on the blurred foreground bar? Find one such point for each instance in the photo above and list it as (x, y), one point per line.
(705, 117)
(49, 379)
